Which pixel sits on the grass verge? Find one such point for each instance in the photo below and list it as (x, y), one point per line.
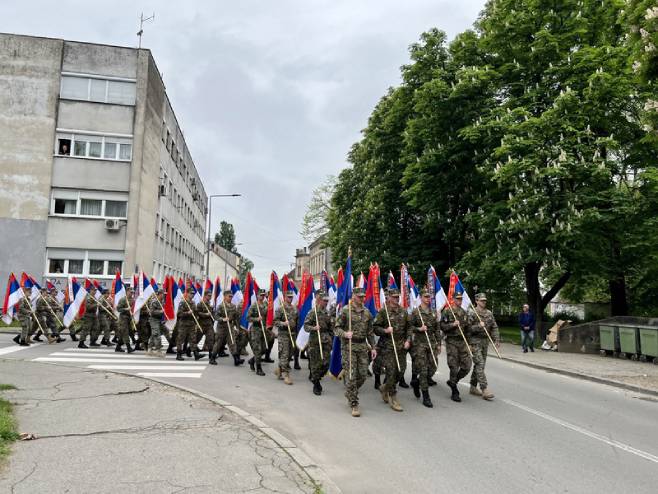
(8, 430)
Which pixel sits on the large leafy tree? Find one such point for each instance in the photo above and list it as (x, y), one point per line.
(226, 237)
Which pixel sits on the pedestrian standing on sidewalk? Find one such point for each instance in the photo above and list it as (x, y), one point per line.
(527, 324)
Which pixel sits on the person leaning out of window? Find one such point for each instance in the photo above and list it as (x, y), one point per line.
(527, 324)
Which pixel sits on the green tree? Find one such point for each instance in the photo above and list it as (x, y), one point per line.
(315, 222)
(226, 237)
(246, 265)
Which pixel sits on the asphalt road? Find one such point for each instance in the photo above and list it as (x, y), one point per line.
(543, 433)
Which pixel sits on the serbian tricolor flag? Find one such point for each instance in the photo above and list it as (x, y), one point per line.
(289, 285)
(59, 294)
(237, 297)
(361, 281)
(307, 299)
(330, 288)
(215, 292)
(154, 285)
(118, 290)
(414, 294)
(171, 302)
(13, 295)
(197, 292)
(390, 283)
(30, 289)
(343, 296)
(439, 298)
(249, 298)
(144, 293)
(456, 286)
(275, 299)
(74, 300)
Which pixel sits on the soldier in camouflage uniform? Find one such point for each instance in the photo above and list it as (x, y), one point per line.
(392, 325)
(56, 315)
(143, 329)
(204, 316)
(124, 308)
(320, 327)
(228, 319)
(106, 322)
(45, 317)
(480, 343)
(187, 326)
(355, 324)
(285, 320)
(257, 341)
(157, 326)
(426, 338)
(24, 315)
(90, 317)
(459, 361)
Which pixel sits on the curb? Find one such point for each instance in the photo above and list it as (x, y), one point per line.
(585, 377)
(315, 473)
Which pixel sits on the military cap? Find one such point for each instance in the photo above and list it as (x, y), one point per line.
(161, 290)
(393, 292)
(481, 296)
(459, 294)
(190, 289)
(321, 294)
(227, 292)
(425, 293)
(290, 293)
(359, 292)
(262, 292)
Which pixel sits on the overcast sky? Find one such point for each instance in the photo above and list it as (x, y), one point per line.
(270, 94)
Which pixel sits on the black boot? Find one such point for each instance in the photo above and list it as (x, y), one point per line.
(251, 364)
(416, 385)
(259, 370)
(222, 353)
(60, 339)
(113, 340)
(431, 381)
(138, 345)
(107, 342)
(426, 399)
(188, 351)
(211, 359)
(297, 366)
(303, 355)
(267, 358)
(129, 349)
(378, 381)
(197, 355)
(237, 360)
(170, 349)
(317, 388)
(37, 337)
(455, 392)
(17, 339)
(119, 349)
(403, 383)
(179, 355)
(22, 342)
(82, 344)
(74, 337)
(93, 343)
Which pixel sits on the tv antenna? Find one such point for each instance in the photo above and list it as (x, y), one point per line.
(142, 20)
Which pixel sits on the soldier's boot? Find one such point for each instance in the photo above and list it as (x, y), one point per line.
(74, 337)
(113, 340)
(403, 383)
(385, 395)
(455, 392)
(355, 409)
(237, 361)
(138, 345)
(37, 337)
(82, 344)
(415, 384)
(317, 388)
(426, 399)
(378, 380)
(222, 352)
(170, 348)
(251, 364)
(94, 343)
(22, 342)
(28, 340)
(179, 355)
(303, 355)
(107, 342)
(188, 350)
(487, 395)
(475, 391)
(211, 359)
(103, 341)
(286, 379)
(197, 355)
(431, 381)
(118, 348)
(129, 349)
(17, 339)
(394, 403)
(277, 373)
(267, 358)
(297, 366)
(259, 369)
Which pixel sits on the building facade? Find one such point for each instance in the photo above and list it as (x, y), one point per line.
(96, 176)
(224, 264)
(319, 257)
(302, 260)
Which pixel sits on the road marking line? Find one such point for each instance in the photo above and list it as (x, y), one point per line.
(168, 374)
(12, 349)
(112, 355)
(593, 435)
(146, 367)
(110, 361)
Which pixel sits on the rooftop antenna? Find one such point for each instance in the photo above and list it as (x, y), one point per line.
(142, 20)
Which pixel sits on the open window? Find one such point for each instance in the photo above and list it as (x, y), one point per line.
(64, 147)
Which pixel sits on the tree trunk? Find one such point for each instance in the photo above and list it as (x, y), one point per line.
(536, 301)
(617, 285)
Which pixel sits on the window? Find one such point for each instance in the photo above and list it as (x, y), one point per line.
(96, 266)
(75, 88)
(110, 151)
(95, 146)
(113, 267)
(98, 90)
(121, 92)
(95, 149)
(116, 209)
(90, 207)
(56, 266)
(65, 206)
(125, 151)
(80, 148)
(75, 266)
(64, 147)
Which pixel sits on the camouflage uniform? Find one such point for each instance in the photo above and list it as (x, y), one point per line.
(186, 327)
(256, 340)
(157, 326)
(54, 322)
(106, 322)
(125, 322)
(285, 343)
(319, 365)
(45, 317)
(204, 316)
(237, 339)
(361, 326)
(89, 319)
(24, 315)
(480, 343)
(399, 321)
(459, 361)
(422, 364)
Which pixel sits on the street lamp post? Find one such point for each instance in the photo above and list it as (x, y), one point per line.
(209, 225)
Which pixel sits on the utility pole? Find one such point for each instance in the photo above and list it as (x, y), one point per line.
(142, 20)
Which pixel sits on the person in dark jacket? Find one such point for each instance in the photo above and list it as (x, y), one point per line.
(527, 324)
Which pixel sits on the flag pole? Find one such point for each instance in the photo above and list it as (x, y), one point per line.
(33, 313)
(192, 311)
(283, 308)
(260, 318)
(427, 336)
(317, 322)
(51, 310)
(397, 360)
(228, 323)
(349, 313)
(468, 347)
(102, 306)
(487, 333)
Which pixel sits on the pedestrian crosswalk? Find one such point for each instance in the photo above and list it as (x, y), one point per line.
(133, 363)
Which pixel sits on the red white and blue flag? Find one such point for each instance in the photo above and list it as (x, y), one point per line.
(144, 293)
(374, 292)
(215, 292)
(74, 301)
(275, 299)
(439, 298)
(171, 302)
(237, 297)
(307, 301)
(289, 285)
(13, 295)
(249, 298)
(197, 292)
(59, 294)
(391, 281)
(457, 287)
(118, 290)
(30, 288)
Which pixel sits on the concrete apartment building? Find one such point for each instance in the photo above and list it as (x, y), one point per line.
(95, 174)
(223, 263)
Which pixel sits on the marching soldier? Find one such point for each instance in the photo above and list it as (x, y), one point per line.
(426, 338)
(480, 344)
(228, 319)
(55, 317)
(157, 327)
(90, 318)
(257, 341)
(205, 318)
(354, 325)
(143, 328)
(459, 361)
(124, 308)
(44, 315)
(24, 315)
(187, 327)
(319, 325)
(106, 322)
(285, 321)
(392, 325)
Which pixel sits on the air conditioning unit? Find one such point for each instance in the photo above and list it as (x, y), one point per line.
(112, 225)
(162, 191)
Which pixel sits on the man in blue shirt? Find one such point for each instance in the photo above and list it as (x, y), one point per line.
(527, 324)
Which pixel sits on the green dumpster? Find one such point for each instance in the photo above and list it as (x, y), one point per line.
(629, 341)
(609, 339)
(649, 343)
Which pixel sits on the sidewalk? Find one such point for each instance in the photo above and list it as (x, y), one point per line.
(104, 433)
(634, 376)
